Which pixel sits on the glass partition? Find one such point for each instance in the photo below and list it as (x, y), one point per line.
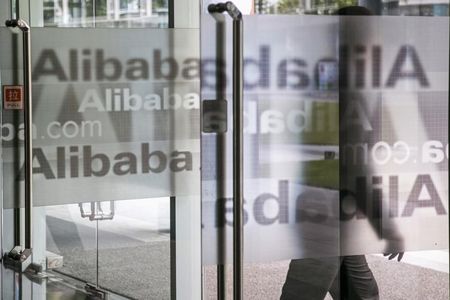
(345, 150)
(345, 145)
(12, 91)
(116, 157)
(291, 142)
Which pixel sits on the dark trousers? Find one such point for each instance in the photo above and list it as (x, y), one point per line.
(346, 278)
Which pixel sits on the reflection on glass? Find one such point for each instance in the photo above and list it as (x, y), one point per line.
(345, 157)
(112, 124)
(134, 251)
(329, 7)
(71, 242)
(106, 13)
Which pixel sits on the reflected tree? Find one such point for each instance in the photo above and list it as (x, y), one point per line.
(288, 6)
(296, 6)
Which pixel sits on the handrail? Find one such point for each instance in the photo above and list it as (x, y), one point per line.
(238, 170)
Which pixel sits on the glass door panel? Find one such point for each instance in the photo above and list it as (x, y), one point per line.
(117, 128)
(345, 131)
(12, 212)
(116, 154)
(278, 99)
(116, 148)
(159, 256)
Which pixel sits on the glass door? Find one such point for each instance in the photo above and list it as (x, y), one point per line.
(136, 168)
(116, 150)
(123, 154)
(345, 150)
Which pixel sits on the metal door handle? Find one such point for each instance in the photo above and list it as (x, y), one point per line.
(28, 121)
(96, 213)
(238, 236)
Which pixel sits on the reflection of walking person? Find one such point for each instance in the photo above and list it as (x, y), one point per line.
(345, 277)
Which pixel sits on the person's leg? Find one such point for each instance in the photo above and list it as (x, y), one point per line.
(310, 279)
(359, 282)
(337, 288)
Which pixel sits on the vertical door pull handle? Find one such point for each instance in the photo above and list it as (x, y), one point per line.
(25, 254)
(238, 171)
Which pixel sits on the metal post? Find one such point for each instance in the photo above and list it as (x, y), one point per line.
(173, 249)
(24, 254)
(171, 8)
(238, 237)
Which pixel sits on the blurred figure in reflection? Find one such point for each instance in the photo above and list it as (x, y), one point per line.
(345, 277)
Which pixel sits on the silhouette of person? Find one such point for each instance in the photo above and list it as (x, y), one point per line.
(345, 277)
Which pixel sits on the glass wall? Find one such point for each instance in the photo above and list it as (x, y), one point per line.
(117, 135)
(116, 147)
(345, 146)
